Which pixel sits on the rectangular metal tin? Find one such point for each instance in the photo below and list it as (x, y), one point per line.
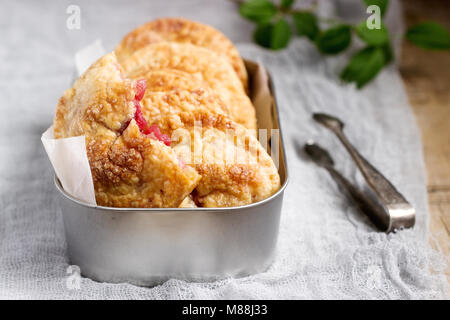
(147, 246)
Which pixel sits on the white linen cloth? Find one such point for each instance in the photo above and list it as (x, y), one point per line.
(326, 248)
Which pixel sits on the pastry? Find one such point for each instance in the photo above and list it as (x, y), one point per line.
(131, 162)
(235, 168)
(203, 64)
(183, 31)
(189, 93)
(169, 124)
(169, 79)
(188, 202)
(164, 108)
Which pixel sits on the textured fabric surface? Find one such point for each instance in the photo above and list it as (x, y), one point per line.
(326, 248)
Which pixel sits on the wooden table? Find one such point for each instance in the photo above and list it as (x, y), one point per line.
(427, 78)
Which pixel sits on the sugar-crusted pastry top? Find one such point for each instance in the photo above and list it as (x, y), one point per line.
(163, 108)
(235, 168)
(183, 31)
(187, 93)
(168, 79)
(203, 64)
(100, 100)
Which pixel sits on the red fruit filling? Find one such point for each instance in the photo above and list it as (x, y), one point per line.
(156, 132)
(139, 117)
(140, 87)
(152, 130)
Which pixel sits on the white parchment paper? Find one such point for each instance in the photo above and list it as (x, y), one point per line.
(68, 155)
(69, 160)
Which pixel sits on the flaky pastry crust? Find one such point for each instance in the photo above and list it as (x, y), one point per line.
(183, 31)
(203, 64)
(164, 108)
(129, 169)
(235, 168)
(196, 94)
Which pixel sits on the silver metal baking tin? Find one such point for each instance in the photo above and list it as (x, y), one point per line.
(147, 246)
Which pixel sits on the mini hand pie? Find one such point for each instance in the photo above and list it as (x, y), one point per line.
(169, 123)
(204, 65)
(183, 31)
(131, 164)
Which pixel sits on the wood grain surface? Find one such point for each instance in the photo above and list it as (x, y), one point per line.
(427, 78)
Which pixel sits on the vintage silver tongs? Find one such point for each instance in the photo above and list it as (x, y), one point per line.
(374, 211)
(394, 211)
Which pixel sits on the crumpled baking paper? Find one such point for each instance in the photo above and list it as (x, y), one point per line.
(68, 155)
(69, 159)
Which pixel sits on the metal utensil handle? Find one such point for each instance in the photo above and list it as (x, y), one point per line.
(387, 193)
(376, 213)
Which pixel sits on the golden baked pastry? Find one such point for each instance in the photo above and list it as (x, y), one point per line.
(235, 168)
(131, 162)
(171, 125)
(169, 79)
(194, 93)
(188, 203)
(183, 31)
(163, 108)
(205, 65)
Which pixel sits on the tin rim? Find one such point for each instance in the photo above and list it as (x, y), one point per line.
(84, 204)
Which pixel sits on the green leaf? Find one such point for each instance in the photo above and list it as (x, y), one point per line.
(260, 11)
(334, 40)
(388, 54)
(429, 35)
(306, 24)
(383, 4)
(286, 4)
(373, 37)
(273, 36)
(281, 34)
(364, 66)
(263, 34)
